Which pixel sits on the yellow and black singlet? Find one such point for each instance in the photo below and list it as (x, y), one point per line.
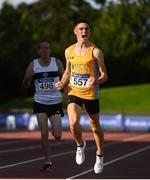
(82, 67)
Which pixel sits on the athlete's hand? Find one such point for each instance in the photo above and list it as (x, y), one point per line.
(91, 80)
(59, 85)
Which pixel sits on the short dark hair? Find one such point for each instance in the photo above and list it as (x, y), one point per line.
(45, 40)
(78, 21)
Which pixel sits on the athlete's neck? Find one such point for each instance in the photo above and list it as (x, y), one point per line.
(81, 48)
(44, 61)
(81, 44)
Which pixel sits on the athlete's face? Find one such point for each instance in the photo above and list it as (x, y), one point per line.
(44, 50)
(82, 32)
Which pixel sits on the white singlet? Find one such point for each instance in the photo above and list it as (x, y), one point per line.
(44, 80)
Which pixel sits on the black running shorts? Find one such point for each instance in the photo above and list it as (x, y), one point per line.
(91, 106)
(49, 109)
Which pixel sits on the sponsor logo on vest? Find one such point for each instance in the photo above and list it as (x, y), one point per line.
(45, 74)
(79, 67)
(71, 57)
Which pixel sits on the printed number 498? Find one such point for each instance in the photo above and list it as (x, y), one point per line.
(46, 86)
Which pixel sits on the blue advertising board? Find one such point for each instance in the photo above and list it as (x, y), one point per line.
(137, 123)
(3, 120)
(22, 120)
(108, 122)
(112, 122)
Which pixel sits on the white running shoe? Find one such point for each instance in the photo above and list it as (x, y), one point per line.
(99, 165)
(80, 157)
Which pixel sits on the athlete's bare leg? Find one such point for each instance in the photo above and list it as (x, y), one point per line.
(43, 125)
(97, 132)
(74, 113)
(56, 126)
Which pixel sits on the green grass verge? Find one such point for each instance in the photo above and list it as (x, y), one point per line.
(134, 99)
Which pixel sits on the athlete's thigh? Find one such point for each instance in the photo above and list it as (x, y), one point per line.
(56, 125)
(42, 119)
(74, 112)
(92, 106)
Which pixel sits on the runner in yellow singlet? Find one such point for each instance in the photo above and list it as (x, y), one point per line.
(82, 68)
(85, 70)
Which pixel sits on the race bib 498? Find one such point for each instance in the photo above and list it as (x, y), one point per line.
(46, 86)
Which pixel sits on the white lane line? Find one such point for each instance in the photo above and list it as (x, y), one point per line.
(112, 161)
(36, 159)
(60, 143)
(19, 149)
(68, 152)
(31, 147)
(53, 156)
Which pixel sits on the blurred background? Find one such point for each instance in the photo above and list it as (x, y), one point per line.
(121, 28)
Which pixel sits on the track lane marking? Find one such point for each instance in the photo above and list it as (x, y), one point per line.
(113, 161)
(68, 152)
(59, 143)
(53, 156)
(30, 147)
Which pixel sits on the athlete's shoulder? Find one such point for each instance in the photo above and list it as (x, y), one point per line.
(72, 45)
(95, 48)
(53, 58)
(58, 61)
(31, 64)
(69, 49)
(36, 60)
(92, 45)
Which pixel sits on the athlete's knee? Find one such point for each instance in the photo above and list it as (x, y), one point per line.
(74, 125)
(44, 134)
(57, 138)
(94, 128)
(57, 135)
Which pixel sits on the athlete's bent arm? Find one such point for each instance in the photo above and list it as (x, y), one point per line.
(99, 58)
(28, 76)
(65, 77)
(60, 67)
